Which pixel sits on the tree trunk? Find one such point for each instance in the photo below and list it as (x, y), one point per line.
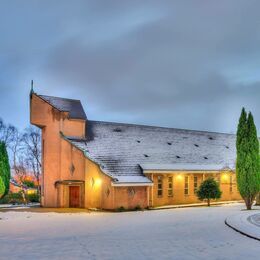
(248, 203)
(258, 199)
(24, 197)
(208, 202)
(38, 186)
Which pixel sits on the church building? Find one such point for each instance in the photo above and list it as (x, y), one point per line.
(105, 165)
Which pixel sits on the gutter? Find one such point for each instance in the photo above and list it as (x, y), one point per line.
(132, 184)
(183, 171)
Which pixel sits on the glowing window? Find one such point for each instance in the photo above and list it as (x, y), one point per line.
(170, 186)
(186, 185)
(160, 186)
(195, 179)
(230, 183)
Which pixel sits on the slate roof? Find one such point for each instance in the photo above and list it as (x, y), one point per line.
(122, 149)
(72, 106)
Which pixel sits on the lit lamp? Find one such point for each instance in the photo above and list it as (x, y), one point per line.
(225, 177)
(96, 182)
(179, 176)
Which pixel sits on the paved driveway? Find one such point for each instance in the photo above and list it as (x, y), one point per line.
(190, 233)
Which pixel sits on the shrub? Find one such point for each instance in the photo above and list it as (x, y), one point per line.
(33, 197)
(138, 207)
(209, 189)
(12, 198)
(120, 209)
(28, 183)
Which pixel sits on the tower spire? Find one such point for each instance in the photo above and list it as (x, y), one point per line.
(32, 91)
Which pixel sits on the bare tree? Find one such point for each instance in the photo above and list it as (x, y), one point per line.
(15, 148)
(19, 162)
(31, 140)
(6, 133)
(20, 170)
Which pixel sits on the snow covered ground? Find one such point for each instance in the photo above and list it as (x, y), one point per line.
(187, 233)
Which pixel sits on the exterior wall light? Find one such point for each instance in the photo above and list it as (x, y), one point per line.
(95, 182)
(98, 182)
(224, 177)
(179, 176)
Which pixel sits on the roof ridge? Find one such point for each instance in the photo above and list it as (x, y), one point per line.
(71, 99)
(162, 127)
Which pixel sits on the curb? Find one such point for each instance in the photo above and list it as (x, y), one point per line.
(241, 232)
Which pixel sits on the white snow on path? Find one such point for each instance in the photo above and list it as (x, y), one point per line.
(246, 222)
(188, 233)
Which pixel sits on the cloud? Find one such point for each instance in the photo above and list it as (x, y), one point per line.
(172, 63)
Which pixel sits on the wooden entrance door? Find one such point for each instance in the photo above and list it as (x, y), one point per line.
(74, 197)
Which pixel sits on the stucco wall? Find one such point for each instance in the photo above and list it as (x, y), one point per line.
(179, 196)
(57, 155)
(96, 185)
(130, 197)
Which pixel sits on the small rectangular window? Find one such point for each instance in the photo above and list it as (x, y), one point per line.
(195, 178)
(230, 183)
(170, 186)
(160, 186)
(186, 185)
(218, 179)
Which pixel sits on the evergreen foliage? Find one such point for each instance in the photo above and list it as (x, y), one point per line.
(209, 189)
(5, 173)
(248, 162)
(2, 187)
(29, 184)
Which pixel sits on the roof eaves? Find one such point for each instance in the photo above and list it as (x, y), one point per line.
(126, 184)
(85, 154)
(177, 168)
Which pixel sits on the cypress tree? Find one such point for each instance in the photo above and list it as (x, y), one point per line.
(247, 164)
(4, 167)
(254, 152)
(2, 187)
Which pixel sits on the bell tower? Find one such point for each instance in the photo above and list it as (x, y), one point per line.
(55, 117)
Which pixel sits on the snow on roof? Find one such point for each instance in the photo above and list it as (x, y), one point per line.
(72, 106)
(120, 149)
(185, 167)
(132, 179)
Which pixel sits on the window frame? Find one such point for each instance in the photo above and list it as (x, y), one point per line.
(188, 185)
(170, 186)
(160, 190)
(231, 183)
(195, 187)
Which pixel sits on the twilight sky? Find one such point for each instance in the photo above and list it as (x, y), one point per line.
(185, 64)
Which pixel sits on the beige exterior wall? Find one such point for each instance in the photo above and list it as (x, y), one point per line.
(229, 192)
(57, 155)
(131, 197)
(97, 185)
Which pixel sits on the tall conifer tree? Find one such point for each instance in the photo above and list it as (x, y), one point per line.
(247, 164)
(2, 187)
(4, 167)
